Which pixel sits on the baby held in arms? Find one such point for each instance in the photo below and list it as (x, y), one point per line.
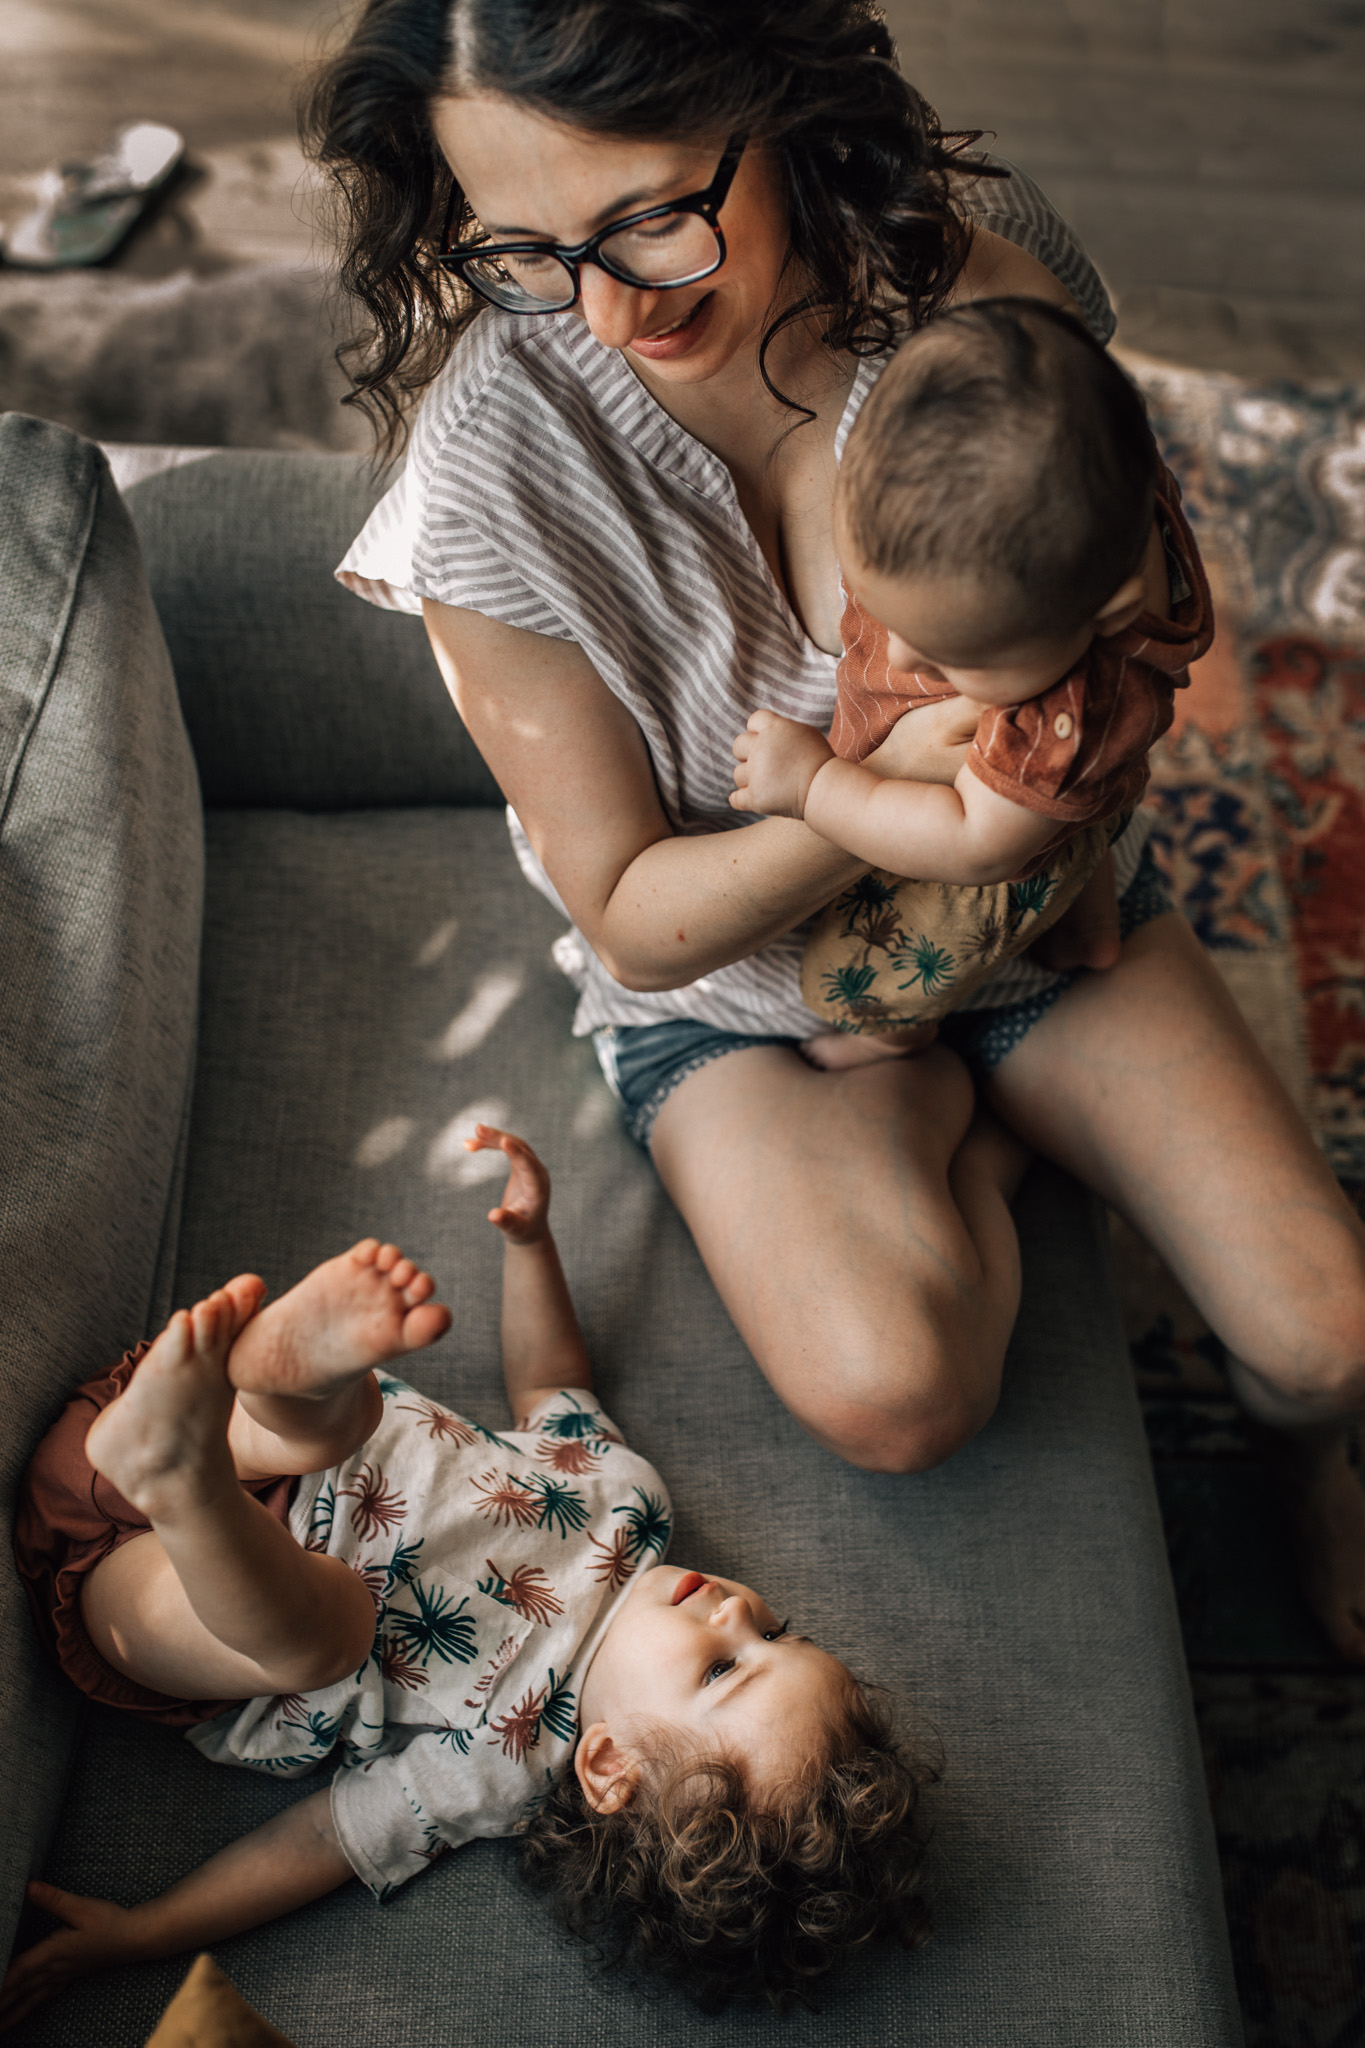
(247, 1531)
(1009, 538)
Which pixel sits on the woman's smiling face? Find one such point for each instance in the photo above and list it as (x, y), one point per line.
(709, 1660)
(530, 178)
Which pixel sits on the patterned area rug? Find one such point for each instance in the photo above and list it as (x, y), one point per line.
(1261, 786)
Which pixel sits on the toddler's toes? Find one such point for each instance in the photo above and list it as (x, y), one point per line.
(245, 1295)
(210, 1320)
(387, 1257)
(366, 1252)
(423, 1325)
(419, 1289)
(402, 1273)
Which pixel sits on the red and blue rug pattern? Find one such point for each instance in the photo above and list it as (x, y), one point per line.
(1261, 791)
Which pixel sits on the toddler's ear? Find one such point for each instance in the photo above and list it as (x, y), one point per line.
(607, 1773)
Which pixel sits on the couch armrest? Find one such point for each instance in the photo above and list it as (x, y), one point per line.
(101, 894)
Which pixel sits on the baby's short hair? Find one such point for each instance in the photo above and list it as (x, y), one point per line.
(697, 1881)
(1001, 440)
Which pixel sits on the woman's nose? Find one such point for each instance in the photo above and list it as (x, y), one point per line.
(615, 312)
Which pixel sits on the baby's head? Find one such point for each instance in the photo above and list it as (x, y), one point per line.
(738, 1813)
(995, 499)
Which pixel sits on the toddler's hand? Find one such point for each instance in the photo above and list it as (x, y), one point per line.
(777, 759)
(521, 1214)
(97, 1936)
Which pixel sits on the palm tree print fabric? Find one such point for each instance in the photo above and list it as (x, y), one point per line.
(891, 951)
(496, 1561)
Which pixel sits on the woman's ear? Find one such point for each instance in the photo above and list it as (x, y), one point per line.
(607, 1773)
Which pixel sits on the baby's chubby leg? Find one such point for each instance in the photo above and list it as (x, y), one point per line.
(834, 1051)
(1087, 932)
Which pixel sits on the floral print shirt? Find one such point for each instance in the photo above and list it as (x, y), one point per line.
(497, 1561)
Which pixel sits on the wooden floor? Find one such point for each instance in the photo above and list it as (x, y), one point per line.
(1209, 152)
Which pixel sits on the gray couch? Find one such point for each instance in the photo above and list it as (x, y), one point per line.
(225, 1021)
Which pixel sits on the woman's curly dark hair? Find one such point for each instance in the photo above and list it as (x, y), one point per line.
(698, 1882)
(876, 240)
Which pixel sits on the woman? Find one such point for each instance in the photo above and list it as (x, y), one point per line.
(702, 228)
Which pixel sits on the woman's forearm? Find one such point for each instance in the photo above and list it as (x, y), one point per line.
(687, 905)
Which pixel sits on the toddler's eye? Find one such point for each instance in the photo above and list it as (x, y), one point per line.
(719, 1669)
(775, 1635)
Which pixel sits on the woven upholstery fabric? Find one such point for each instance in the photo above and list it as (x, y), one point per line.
(101, 866)
(294, 692)
(1018, 1598)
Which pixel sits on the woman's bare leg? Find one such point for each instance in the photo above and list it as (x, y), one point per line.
(857, 1227)
(219, 1601)
(1146, 1083)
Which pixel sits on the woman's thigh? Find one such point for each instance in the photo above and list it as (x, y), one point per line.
(863, 1249)
(1146, 1083)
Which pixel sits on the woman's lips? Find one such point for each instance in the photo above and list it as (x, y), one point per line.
(688, 1584)
(656, 348)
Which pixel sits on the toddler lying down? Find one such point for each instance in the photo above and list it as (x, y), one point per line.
(249, 1531)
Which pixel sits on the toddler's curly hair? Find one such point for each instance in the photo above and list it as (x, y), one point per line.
(697, 1882)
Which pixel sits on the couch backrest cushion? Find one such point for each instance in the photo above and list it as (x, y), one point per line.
(276, 663)
(101, 886)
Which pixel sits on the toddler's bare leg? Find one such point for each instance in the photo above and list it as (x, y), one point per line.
(306, 1396)
(219, 1601)
(834, 1051)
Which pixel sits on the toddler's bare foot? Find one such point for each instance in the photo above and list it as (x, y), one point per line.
(833, 1051)
(343, 1318)
(164, 1441)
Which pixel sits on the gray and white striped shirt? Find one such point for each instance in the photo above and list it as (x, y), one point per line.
(547, 488)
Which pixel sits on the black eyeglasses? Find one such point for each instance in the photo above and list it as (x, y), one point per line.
(657, 250)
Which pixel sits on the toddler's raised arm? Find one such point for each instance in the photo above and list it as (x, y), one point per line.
(961, 832)
(542, 1345)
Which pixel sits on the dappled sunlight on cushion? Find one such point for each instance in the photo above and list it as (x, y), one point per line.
(494, 994)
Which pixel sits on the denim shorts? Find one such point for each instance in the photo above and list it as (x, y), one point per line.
(644, 1063)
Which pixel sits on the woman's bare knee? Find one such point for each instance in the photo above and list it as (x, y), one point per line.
(905, 1439)
(885, 1416)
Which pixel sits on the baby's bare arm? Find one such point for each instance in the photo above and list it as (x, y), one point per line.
(962, 833)
(959, 832)
(294, 1858)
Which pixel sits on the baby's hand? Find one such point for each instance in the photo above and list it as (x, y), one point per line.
(777, 760)
(521, 1214)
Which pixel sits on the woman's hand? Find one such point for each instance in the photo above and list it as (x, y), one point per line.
(97, 1936)
(776, 761)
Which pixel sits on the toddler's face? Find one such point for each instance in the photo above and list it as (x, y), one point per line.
(710, 1658)
(953, 630)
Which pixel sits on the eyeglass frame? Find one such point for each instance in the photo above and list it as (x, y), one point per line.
(706, 204)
